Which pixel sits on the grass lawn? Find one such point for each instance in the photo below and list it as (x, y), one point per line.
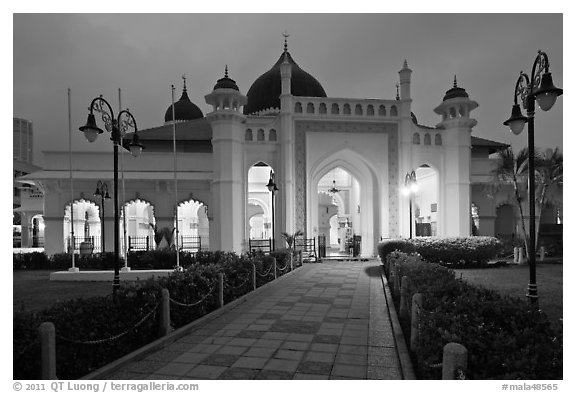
(33, 290)
(513, 280)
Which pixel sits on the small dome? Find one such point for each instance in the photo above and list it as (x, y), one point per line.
(455, 92)
(184, 109)
(265, 91)
(226, 83)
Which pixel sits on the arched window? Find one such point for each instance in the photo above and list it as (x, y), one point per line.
(427, 139)
(393, 111)
(416, 138)
(298, 107)
(310, 108)
(358, 110)
(452, 113)
(462, 111)
(272, 135)
(438, 140)
(381, 110)
(322, 108)
(335, 109)
(346, 109)
(248, 136)
(370, 110)
(260, 136)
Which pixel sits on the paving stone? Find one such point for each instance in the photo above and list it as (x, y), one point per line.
(274, 374)
(289, 354)
(220, 360)
(275, 335)
(206, 372)
(251, 333)
(191, 357)
(353, 349)
(265, 343)
(311, 367)
(144, 366)
(232, 350)
(250, 362)
(350, 371)
(282, 365)
(176, 369)
(326, 357)
(260, 352)
(300, 337)
(375, 372)
(345, 358)
(242, 342)
(348, 340)
(238, 373)
(309, 376)
(326, 339)
(295, 345)
(320, 347)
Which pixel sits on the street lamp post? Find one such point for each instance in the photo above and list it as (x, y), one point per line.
(410, 189)
(117, 127)
(538, 87)
(272, 188)
(102, 192)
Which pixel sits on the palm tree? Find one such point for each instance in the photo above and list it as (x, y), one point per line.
(290, 239)
(513, 169)
(549, 173)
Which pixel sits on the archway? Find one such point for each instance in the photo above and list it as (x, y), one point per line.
(38, 231)
(86, 225)
(140, 224)
(259, 204)
(426, 217)
(193, 226)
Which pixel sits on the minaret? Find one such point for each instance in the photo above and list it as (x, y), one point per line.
(456, 128)
(405, 76)
(228, 192)
(285, 165)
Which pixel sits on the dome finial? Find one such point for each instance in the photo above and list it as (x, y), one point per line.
(226, 71)
(455, 81)
(405, 64)
(286, 35)
(397, 92)
(184, 79)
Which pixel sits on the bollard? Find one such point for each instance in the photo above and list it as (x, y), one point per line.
(48, 350)
(164, 327)
(221, 289)
(542, 253)
(404, 298)
(454, 361)
(274, 267)
(254, 276)
(415, 322)
(516, 255)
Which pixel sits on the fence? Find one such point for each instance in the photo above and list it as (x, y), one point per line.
(139, 243)
(307, 247)
(85, 244)
(264, 245)
(190, 243)
(163, 309)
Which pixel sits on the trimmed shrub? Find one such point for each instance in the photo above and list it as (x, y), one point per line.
(473, 251)
(90, 332)
(30, 261)
(506, 337)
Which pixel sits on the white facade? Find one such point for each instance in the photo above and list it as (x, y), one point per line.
(224, 159)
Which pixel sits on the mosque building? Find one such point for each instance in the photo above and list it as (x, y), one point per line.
(339, 165)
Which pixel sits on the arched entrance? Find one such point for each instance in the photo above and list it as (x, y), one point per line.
(259, 208)
(426, 212)
(357, 200)
(193, 226)
(87, 227)
(140, 224)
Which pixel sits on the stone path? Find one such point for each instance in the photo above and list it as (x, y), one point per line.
(324, 321)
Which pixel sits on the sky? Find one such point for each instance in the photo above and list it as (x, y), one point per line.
(351, 55)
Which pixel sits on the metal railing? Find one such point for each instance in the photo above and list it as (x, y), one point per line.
(139, 243)
(264, 245)
(190, 243)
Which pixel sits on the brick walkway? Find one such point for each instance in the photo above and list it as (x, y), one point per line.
(324, 321)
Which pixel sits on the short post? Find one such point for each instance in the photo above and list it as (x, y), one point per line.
(274, 267)
(397, 283)
(521, 255)
(164, 327)
(221, 289)
(404, 298)
(415, 322)
(254, 275)
(48, 350)
(516, 255)
(454, 361)
(542, 253)
(300, 257)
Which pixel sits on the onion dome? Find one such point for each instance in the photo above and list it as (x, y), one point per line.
(265, 91)
(455, 92)
(226, 83)
(184, 109)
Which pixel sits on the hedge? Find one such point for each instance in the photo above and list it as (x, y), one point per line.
(506, 337)
(473, 251)
(96, 318)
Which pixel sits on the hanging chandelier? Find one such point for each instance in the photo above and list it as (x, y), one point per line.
(334, 190)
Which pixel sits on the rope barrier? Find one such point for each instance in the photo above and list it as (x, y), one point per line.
(26, 349)
(94, 342)
(192, 304)
(265, 274)
(238, 286)
(284, 268)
